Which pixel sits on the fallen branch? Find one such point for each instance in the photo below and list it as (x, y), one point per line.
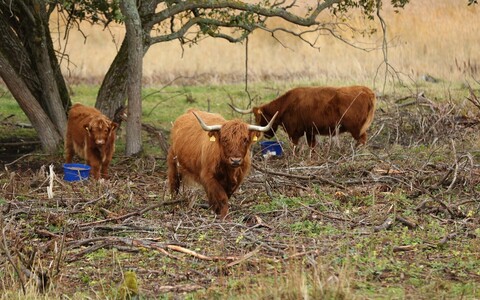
(181, 288)
(20, 144)
(386, 225)
(244, 258)
(108, 242)
(447, 238)
(403, 248)
(22, 157)
(324, 214)
(10, 259)
(91, 249)
(308, 178)
(316, 251)
(198, 255)
(135, 213)
(408, 223)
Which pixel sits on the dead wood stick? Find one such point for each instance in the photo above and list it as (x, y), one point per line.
(324, 214)
(60, 254)
(404, 98)
(76, 244)
(447, 238)
(405, 222)
(316, 251)
(456, 166)
(135, 213)
(443, 179)
(22, 157)
(414, 101)
(181, 288)
(46, 233)
(473, 98)
(403, 248)
(88, 202)
(302, 177)
(124, 228)
(162, 247)
(386, 225)
(264, 245)
(198, 255)
(90, 249)
(445, 206)
(422, 204)
(467, 201)
(110, 241)
(10, 259)
(244, 258)
(19, 144)
(435, 199)
(149, 244)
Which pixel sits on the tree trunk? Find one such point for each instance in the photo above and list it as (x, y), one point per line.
(49, 136)
(28, 53)
(134, 40)
(112, 93)
(45, 72)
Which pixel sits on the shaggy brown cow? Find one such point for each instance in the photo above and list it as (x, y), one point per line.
(218, 159)
(319, 110)
(90, 135)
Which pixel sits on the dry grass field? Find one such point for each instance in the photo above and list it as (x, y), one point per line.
(435, 37)
(396, 219)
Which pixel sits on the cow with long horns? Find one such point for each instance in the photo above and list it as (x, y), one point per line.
(217, 155)
(319, 110)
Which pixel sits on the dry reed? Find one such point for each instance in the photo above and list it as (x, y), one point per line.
(435, 37)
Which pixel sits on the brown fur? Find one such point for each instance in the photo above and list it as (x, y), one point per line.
(210, 163)
(319, 110)
(90, 135)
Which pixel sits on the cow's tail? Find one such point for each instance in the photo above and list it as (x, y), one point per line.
(370, 115)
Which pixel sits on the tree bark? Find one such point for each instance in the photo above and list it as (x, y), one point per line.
(49, 136)
(113, 91)
(28, 53)
(45, 71)
(134, 38)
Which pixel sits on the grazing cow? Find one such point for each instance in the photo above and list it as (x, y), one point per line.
(319, 110)
(90, 135)
(217, 155)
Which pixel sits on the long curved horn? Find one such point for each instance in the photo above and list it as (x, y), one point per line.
(242, 111)
(263, 128)
(205, 126)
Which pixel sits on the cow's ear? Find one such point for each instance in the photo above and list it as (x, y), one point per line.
(113, 126)
(214, 135)
(255, 135)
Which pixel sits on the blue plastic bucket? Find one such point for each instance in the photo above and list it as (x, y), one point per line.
(75, 172)
(271, 148)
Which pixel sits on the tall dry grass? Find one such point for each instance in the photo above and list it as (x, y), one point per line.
(436, 37)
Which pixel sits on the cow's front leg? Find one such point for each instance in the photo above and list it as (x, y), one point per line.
(217, 197)
(95, 168)
(69, 151)
(104, 171)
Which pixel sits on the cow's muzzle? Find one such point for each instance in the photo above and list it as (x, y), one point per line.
(100, 142)
(236, 161)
